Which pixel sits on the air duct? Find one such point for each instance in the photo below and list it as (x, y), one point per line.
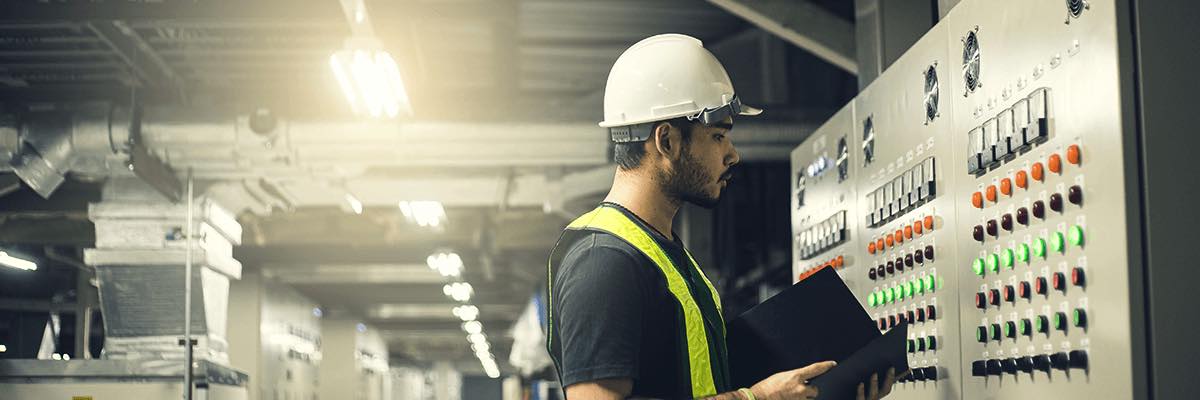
(49, 144)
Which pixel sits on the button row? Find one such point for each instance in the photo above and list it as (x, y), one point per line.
(1012, 131)
(1027, 327)
(910, 289)
(1038, 248)
(904, 193)
(1077, 359)
(920, 374)
(905, 232)
(920, 314)
(918, 257)
(928, 343)
(1021, 180)
(992, 227)
(1024, 290)
(822, 236)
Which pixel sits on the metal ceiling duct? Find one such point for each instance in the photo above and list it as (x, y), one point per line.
(49, 144)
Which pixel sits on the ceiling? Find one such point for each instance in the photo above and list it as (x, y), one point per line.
(506, 94)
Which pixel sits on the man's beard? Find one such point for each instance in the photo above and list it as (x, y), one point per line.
(687, 182)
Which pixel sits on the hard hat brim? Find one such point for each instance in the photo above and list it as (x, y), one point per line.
(750, 111)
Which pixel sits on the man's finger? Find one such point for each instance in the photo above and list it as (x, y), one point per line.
(809, 392)
(887, 383)
(814, 370)
(873, 391)
(860, 393)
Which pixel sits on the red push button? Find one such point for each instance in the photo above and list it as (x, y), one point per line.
(931, 311)
(871, 247)
(1009, 294)
(1055, 163)
(1023, 290)
(929, 222)
(918, 228)
(991, 193)
(908, 232)
(994, 297)
(879, 245)
(1037, 171)
(980, 301)
(899, 236)
(977, 199)
(1077, 276)
(1073, 154)
(1039, 285)
(1060, 281)
(889, 240)
(1006, 186)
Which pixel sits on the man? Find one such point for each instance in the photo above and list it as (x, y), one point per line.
(630, 312)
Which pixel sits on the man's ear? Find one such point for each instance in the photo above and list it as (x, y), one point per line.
(666, 144)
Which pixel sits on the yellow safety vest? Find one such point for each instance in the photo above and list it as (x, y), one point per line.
(611, 220)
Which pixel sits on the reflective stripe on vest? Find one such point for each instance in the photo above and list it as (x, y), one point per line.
(613, 221)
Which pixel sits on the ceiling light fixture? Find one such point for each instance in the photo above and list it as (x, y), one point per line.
(466, 312)
(445, 263)
(18, 263)
(367, 74)
(460, 291)
(430, 214)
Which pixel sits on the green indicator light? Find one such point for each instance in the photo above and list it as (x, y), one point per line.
(981, 334)
(1077, 318)
(928, 283)
(1075, 235)
(1006, 257)
(1058, 321)
(887, 296)
(905, 291)
(929, 342)
(919, 286)
(1057, 242)
(1023, 253)
(911, 346)
(977, 266)
(993, 262)
(995, 330)
(1040, 324)
(871, 300)
(892, 294)
(1008, 330)
(1039, 247)
(1024, 327)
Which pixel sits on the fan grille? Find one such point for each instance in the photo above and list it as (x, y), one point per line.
(843, 160)
(971, 61)
(931, 94)
(868, 145)
(1075, 7)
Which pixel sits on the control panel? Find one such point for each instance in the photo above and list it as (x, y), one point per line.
(983, 202)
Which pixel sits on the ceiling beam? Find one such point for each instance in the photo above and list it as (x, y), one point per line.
(803, 24)
(137, 54)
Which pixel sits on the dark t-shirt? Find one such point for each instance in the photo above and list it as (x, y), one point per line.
(615, 318)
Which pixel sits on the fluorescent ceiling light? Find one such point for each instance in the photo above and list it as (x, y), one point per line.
(460, 291)
(447, 264)
(424, 213)
(466, 313)
(473, 327)
(356, 205)
(13, 262)
(370, 79)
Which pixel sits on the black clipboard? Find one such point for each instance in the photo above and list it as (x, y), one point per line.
(817, 319)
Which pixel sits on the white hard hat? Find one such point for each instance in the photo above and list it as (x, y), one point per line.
(663, 77)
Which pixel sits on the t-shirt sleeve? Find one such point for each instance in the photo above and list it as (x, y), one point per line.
(601, 294)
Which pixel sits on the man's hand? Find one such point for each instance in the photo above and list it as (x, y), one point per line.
(791, 384)
(877, 391)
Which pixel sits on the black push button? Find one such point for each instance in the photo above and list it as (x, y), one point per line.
(992, 229)
(1056, 202)
(1006, 222)
(919, 257)
(917, 374)
(929, 252)
(977, 233)
(1060, 361)
(1039, 209)
(1075, 195)
(1009, 365)
(1023, 216)
(1078, 359)
(1025, 364)
(931, 373)
(978, 368)
(994, 368)
(1042, 362)
(871, 273)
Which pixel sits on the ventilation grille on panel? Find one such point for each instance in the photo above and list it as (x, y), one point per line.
(931, 93)
(843, 160)
(970, 62)
(1076, 7)
(868, 135)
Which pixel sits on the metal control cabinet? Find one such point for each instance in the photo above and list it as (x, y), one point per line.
(992, 202)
